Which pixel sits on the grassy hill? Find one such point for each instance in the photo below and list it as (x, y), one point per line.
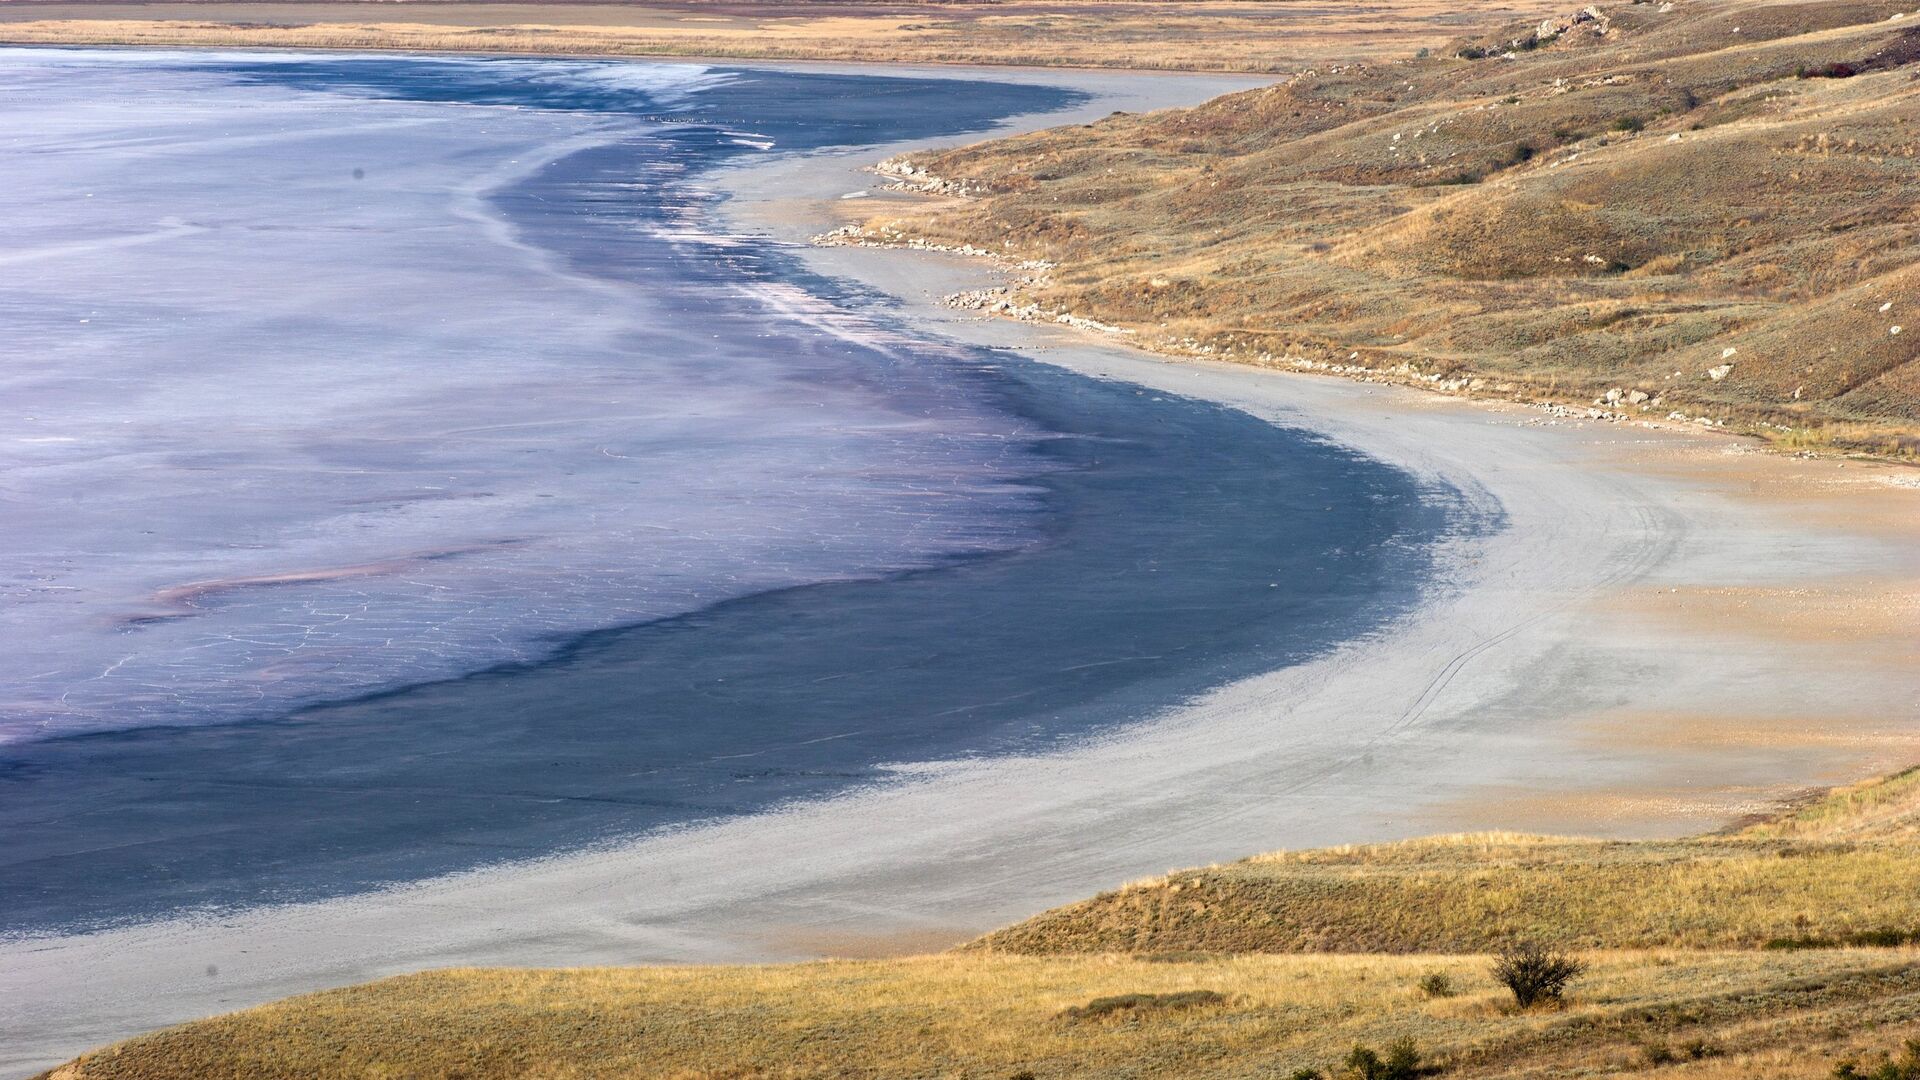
(1704, 206)
(1211, 973)
(1186, 35)
(1840, 871)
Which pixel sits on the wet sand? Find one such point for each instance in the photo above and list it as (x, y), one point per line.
(1641, 574)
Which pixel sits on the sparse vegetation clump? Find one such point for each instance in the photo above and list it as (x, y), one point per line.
(1906, 1066)
(1127, 1004)
(1883, 938)
(1402, 1062)
(1537, 975)
(1660, 1052)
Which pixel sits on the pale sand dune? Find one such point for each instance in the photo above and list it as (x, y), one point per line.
(1478, 710)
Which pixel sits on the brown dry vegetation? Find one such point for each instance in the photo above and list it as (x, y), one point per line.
(1751, 1015)
(1185, 998)
(1201, 36)
(1843, 869)
(1612, 206)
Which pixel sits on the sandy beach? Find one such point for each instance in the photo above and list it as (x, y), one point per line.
(1672, 630)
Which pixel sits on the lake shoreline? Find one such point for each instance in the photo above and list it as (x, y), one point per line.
(1484, 708)
(424, 761)
(1715, 568)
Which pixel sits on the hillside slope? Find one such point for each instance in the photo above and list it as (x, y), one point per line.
(1839, 871)
(1185, 35)
(1702, 207)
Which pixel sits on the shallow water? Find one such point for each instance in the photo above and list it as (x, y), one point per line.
(400, 479)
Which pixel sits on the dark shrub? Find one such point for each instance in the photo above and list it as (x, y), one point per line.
(1536, 974)
(1904, 1067)
(1803, 942)
(1127, 1003)
(1629, 123)
(1883, 938)
(1437, 985)
(1401, 1063)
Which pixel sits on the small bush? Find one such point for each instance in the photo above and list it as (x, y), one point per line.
(1629, 123)
(1129, 1003)
(1401, 1063)
(1437, 985)
(1536, 974)
(1306, 1074)
(1472, 52)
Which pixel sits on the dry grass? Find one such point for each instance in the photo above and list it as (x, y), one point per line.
(1195, 36)
(1099, 1006)
(1838, 868)
(1602, 211)
(1750, 1015)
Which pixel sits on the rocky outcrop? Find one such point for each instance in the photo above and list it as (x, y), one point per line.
(906, 176)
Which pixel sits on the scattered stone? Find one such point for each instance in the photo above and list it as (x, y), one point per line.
(910, 177)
